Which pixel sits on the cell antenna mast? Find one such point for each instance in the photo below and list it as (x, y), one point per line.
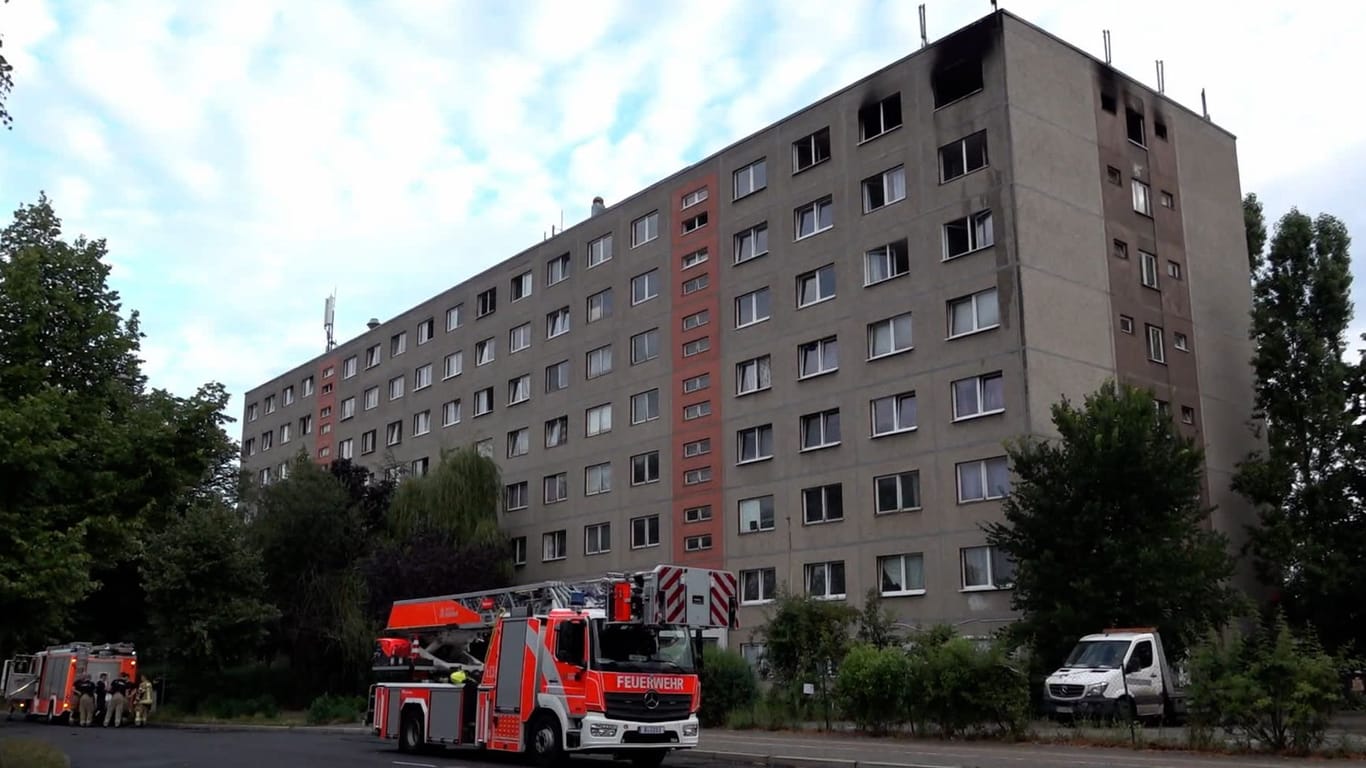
(924, 38)
(329, 317)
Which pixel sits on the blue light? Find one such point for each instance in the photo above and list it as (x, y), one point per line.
(577, 599)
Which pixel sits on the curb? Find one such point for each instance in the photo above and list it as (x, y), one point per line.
(261, 728)
(786, 761)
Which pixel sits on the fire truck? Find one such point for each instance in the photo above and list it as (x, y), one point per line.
(609, 665)
(40, 684)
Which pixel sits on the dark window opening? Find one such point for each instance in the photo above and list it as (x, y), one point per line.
(1160, 128)
(958, 80)
(1134, 122)
(1107, 102)
(879, 117)
(1112, 174)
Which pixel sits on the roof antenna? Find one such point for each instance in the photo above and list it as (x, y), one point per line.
(924, 40)
(1161, 76)
(1204, 106)
(1107, 47)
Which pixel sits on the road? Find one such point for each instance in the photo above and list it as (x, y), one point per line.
(176, 748)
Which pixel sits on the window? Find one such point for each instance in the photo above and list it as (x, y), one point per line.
(557, 269)
(348, 408)
(557, 431)
(253, 411)
(696, 320)
(645, 468)
(694, 197)
(753, 375)
(751, 243)
(515, 496)
(289, 395)
(695, 411)
(813, 218)
(886, 262)
(879, 118)
(1142, 198)
(902, 574)
(897, 493)
(697, 543)
(1180, 341)
(696, 284)
(422, 423)
(884, 189)
(521, 286)
(818, 357)
(983, 479)
(644, 229)
(484, 447)
(486, 303)
(753, 307)
(554, 546)
(978, 396)
(970, 314)
(454, 316)
(450, 413)
(600, 305)
(820, 430)
(519, 442)
(693, 259)
(645, 406)
(697, 448)
(597, 539)
(696, 383)
(755, 443)
(811, 150)
(349, 367)
(425, 330)
(307, 386)
(599, 251)
(371, 396)
(346, 449)
(823, 504)
(751, 178)
(816, 286)
(367, 442)
(519, 389)
(825, 580)
(519, 338)
(1126, 324)
(270, 404)
(393, 433)
(756, 514)
(696, 346)
(398, 344)
(396, 388)
(1163, 408)
(963, 156)
(759, 585)
(598, 362)
(968, 234)
(1166, 199)
(372, 356)
(986, 568)
(1173, 270)
(597, 479)
(694, 223)
(1133, 125)
(484, 351)
(557, 323)
(890, 336)
(454, 365)
(893, 414)
(697, 514)
(598, 420)
(1156, 350)
(555, 488)
(284, 433)
(1160, 128)
(644, 531)
(519, 551)
(644, 287)
(557, 376)
(1149, 263)
(483, 401)
(957, 80)
(422, 377)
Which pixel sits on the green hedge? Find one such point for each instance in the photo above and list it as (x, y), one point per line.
(327, 709)
(728, 684)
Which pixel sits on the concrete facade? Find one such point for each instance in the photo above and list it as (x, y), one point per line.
(928, 331)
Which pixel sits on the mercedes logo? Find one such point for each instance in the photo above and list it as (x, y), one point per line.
(651, 700)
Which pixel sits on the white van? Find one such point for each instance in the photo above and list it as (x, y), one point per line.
(1090, 682)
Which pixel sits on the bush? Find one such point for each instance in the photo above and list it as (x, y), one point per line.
(728, 684)
(873, 687)
(328, 709)
(1272, 687)
(224, 708)
(28, 753)
(957, 685)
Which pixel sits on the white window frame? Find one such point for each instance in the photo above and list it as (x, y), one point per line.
(761, 376)
(824, 208)
(483, 402)
(890, 184)
(455, 317)
(696, 383)
(697, 476)
(422, 377)
(699, 543)
(648, 402)
(346, 449)
(884, 118)
(521, 287)
(450, 413)
(422, 423)
(599, 306)
(372, 357)
(693, 223)
(519, 338)
(747, 243)
(826, 568)
(1181, 341)
(896, 344)
(755, 175)
(555, 488)
(393, 433)
(695, 284)
(645, 286)
(349, 366)
(961, 147)
(900, 480)
(755, 434)
(1157, 350)
(486, 302)
(643, 536)
(992, 563)
(698, 514)
(453, 365)
(901, 565)
(425, 331)
(978, 387)
(822, 348)
(557, 322)
(696, 346)
(370, 398)
(979, 228)
(765, 582)
(516, 496)
(485, 351)
(824, 493)
(814, 278)
(896, 401)
(815, 141)
(597, 538)
(557, 269)
(396, 387)
(519, 389)
(690, 260)
(554, 545)
(981, 468)
(693, 198)
(1148, 273)
(645, 346)
(599, 251)
(645, 229)
(642, 461)
(696, 320)
(895, 257)
(830, 436)
(398, 344)
(754, 307)
(597, 420)
(556, 431)
(559, 374)
(975, 302)
(348, 409)
(751, 517)
(519, 548)
(597, 479)
(603, 356)
(694, 411)
(1142, 197)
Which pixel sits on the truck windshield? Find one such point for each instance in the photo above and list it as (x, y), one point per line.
(1097, 654)
(635, 648)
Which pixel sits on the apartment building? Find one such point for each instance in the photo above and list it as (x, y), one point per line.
(799, 357)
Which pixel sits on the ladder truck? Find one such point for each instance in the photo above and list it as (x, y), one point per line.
(607, 665)
(40, 685)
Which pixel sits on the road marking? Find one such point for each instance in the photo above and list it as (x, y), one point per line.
(415, 765)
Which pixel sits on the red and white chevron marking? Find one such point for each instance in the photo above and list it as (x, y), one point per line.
(724, 586)
(673, 595)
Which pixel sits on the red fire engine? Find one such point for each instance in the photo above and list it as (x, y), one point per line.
(39, 684)
(608, 665)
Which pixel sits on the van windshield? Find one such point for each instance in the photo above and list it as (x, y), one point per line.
(1097, 654)
(636, 648)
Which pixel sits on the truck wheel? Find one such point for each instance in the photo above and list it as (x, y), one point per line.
(410, 737)
(648, 758)
(543, 737)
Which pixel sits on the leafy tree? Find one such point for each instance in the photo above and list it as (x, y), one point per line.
(1254, 222)
(1308, 483)
(728, 685)
(805, 640)
(1106, 527)
(460, 498)
(427, 563)
(373, 495)
(6, 83)
(876, 624)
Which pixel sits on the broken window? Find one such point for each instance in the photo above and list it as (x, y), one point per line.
(1160, 128)
(964, 156)
(879, 117)
(810, 150)
(1107, 102)
(955, 81)
(1134, 122)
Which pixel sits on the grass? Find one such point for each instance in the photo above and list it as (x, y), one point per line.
(27, 753)
(172, 715)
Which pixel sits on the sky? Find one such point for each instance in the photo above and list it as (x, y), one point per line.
(246, 159)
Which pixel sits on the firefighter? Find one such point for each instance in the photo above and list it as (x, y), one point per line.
(144, 697)
(86, 705)
(118, 699)
(101, 698)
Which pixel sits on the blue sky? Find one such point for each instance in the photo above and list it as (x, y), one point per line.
(245, 158)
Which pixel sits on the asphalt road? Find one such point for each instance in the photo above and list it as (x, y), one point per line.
(176, 748)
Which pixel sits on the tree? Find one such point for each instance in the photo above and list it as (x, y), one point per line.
(1106, 527)
(460, 498)
(1255, 225)
(805, 640)
(6, 83)
(876, 624)
(1308, 484)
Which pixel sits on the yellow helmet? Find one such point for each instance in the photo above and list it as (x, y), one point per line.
(458, 676)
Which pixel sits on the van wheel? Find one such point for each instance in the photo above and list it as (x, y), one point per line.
(410, 737)
(544, 742)
(648, 758)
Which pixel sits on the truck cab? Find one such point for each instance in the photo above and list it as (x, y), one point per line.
(1116, 674)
